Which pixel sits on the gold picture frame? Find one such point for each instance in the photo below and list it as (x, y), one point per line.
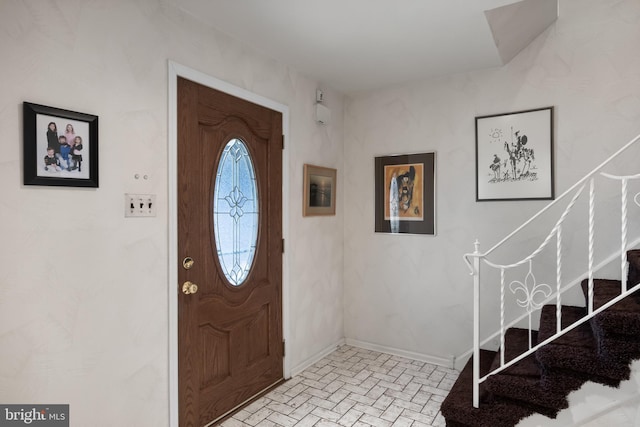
(319, 191)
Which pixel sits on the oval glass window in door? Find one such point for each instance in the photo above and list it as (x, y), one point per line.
(235, 212)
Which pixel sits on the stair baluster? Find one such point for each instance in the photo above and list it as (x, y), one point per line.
(596, 336)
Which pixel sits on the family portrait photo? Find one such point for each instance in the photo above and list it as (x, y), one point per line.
(60, 147)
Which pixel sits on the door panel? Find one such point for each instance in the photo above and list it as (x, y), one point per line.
(229, 337)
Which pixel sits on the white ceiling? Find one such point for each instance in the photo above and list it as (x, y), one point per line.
(355, 45)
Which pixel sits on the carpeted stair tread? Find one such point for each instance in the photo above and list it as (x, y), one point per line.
(604, 290)
(517, 342)
(581, 336)
(458, 410)
(622, 318)
(523, 381)
(576, 352)
(599, 350)
(633, 257)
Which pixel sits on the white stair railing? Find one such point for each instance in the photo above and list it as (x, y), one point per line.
(531, 296)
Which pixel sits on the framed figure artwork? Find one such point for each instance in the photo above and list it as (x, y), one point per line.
(405, 190)
(514, 156)
(60, 147)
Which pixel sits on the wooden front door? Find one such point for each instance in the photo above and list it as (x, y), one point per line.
(230, 345)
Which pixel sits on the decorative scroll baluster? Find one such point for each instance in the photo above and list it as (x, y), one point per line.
(501, 316)
(559, 279)
(623, 254)
(534, 295)
(530, 331)
(592, 197)
(530, 290)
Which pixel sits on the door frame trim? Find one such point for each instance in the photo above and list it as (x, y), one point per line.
(177, 70)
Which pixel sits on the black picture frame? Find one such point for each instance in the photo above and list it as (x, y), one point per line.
(514, 156)
(48, 162)
(412, 178)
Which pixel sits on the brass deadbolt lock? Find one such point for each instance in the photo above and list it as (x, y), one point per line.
(187, 263)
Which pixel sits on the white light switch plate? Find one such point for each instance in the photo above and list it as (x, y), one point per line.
(139, 205)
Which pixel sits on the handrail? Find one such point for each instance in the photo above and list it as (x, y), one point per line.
(530, 289)
(546, 240)
(543, 210)
(584, 179)
(570, 285)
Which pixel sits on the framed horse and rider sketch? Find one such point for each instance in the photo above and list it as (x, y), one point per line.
(405, 189)
(514, 156)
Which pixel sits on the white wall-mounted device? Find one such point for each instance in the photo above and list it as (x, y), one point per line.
(323, 114)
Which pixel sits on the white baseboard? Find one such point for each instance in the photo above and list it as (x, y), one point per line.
(316, 357)
(460, 361)
(435, 360)
(440, 361)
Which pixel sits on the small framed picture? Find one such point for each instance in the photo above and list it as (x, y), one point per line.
(319, 191)
(405, 194)
(514, 156)
(60, 147)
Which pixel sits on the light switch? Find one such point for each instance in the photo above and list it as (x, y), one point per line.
(139, 205)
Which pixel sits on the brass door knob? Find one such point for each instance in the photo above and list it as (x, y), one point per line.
(189, 288)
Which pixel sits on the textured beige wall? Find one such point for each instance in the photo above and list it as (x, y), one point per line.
(83, 291)
(413, 292)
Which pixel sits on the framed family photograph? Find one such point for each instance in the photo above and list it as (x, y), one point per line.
(405, 194)
(319, 191)
(514, 156)
(60, 147)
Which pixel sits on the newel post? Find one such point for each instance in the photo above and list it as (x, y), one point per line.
(476, 325)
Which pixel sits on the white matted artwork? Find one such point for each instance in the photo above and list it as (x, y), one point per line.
(514, 156)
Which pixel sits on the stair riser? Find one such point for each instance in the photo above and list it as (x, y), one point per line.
(529, 395)
(612, 324)
(620, 352)
(582, 365)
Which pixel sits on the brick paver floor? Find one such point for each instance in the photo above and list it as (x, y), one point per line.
(354, 387)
